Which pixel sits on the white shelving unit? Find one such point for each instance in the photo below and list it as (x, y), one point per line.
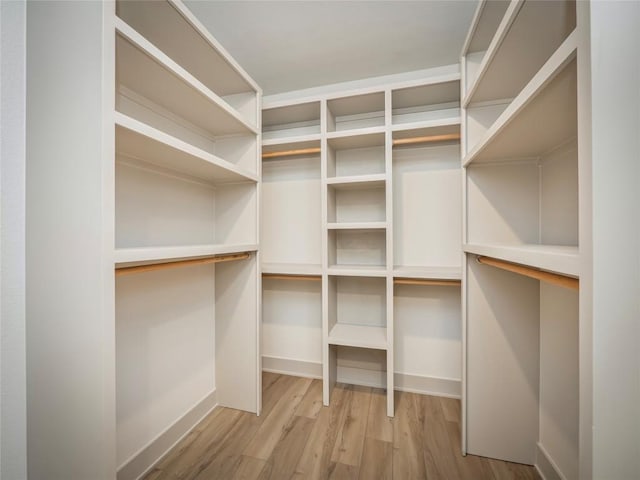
(186, 187)
(347, 210)
(522, 167)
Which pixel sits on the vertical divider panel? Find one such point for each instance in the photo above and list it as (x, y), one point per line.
(390, 260)
(328, 375)
(465, 259)
(258, 147)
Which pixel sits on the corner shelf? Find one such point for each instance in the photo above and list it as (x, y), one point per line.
(360, 336)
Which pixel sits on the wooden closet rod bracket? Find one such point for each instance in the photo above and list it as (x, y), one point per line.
(181, 263)
(291, 276)
(290, 153)
(427, 282)
(553, 278)
(429, 139)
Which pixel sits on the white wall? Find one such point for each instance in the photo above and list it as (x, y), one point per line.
(13, 425)
(615, 75)
(69, 250)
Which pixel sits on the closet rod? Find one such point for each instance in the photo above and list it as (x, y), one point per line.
(424, 281)
(291, 276)
(181, 263)
(290, 153)
(427, 139)
(553, 278)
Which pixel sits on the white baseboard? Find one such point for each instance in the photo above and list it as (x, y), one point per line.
(441, 387)
(545, 465)
(140, 463)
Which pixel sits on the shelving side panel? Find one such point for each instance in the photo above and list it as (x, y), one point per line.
(559, 374)
(165, 345)
(292, 320)
(236, 213)
(503, 364)
(479, 119)
(427, 204)
(291, 211)
(238, 379)
(503, 203)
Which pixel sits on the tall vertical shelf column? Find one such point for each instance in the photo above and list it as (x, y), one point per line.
(521, 174)
(369, 217)
(187, 180)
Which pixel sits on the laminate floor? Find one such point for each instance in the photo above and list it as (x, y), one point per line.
(297, 438)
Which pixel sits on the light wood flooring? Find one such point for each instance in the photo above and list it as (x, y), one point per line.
(297, 438)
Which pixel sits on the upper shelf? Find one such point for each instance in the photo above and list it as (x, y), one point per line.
(301, 119)
(540, 118)
(137, 140)
(428, 273)
(485, 23)
(147, 255)
(355, 112)
(172, 28)
(528, 34)
(436, 102)
(145, 70)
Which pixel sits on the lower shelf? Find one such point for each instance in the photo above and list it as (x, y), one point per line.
(358, 336)
(125, 257)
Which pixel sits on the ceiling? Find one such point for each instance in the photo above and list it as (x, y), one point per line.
(292, 45)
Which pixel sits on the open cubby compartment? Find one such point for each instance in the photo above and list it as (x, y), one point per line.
(488, 18)
(291, 207)
(433, 103)
(530, 32)
(356, 111)
(358, 249)
(427, 331)
(356, 155)
(427, 201)
(292, 325)
(192, 328)
(190, 114)
(356, 202)
(157, 207)
(522, 392)
(291, 120)
(175, 31)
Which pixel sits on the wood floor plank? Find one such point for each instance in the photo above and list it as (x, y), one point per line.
(340, 471)
(350, 441)
(439, 459)
(512, 471)
(311, 404)
(273, 426)
(450, 408)
(407, 439)
(377, 460)
(379, 426)
(284, 459)
(248, 468)
(315, 462)
(470, 467)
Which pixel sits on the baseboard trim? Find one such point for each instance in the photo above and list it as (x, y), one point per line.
(440, 387)
(143, 461)
(545, 466)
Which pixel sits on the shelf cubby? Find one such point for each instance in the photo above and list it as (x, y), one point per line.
(356, 155)
(527, 36)
(296, 120)
(175, 31)
(291, 207)
(355, 202)
(357, 248)
(355, 112)
(435, 103)
(427, 200)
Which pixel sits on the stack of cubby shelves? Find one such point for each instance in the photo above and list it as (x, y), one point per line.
(520, 153)
(342, 205)
(186, 187)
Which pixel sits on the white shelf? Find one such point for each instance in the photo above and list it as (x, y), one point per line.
(291, 142)
(357, 138)
(144, 69)
(292, 268)
(527, 35)
(300, 119)
(357, 270)
(358, 181)
(131, 256)
(560, 259)
(430, 102)
(428, 273)
(140, 141)
(357, 226)
(449, 124)
(540, 118)
(358, 336)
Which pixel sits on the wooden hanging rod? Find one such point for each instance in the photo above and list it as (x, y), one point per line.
(428, 282)
(292, 276)
(553, 278)
(290, 153)
(427, 139)
(181, 263)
